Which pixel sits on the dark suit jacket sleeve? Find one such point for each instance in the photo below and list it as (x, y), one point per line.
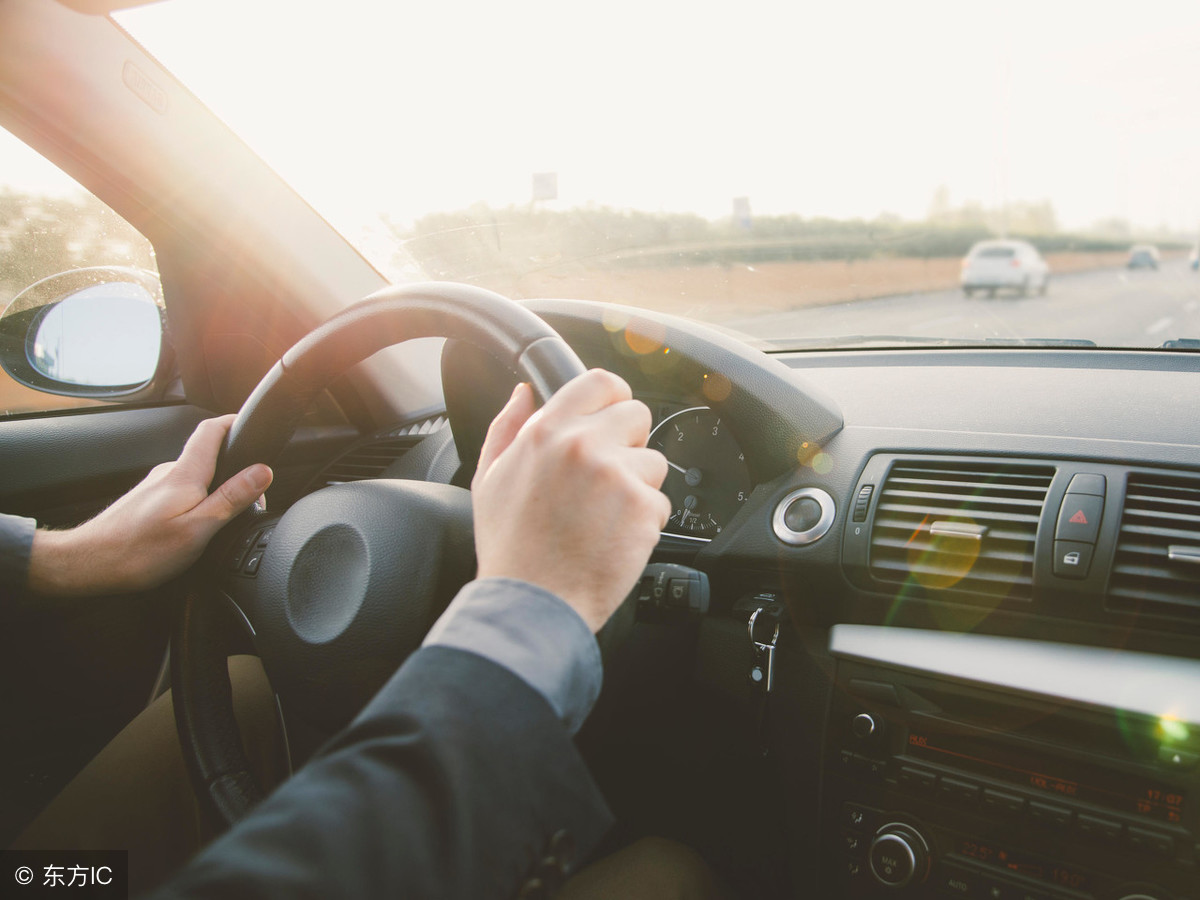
(16, 540)
(457, 780)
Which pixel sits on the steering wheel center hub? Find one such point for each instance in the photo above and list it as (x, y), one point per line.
(355, 576)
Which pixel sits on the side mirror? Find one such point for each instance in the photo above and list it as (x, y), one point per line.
(95, 333)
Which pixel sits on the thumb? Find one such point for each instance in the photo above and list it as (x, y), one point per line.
(505, 426)
(235, 495)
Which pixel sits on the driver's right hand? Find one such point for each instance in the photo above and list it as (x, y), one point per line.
(567, 496)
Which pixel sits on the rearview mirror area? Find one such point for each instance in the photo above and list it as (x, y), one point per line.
(94, 332)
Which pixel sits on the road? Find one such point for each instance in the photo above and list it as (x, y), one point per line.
(1112, 307)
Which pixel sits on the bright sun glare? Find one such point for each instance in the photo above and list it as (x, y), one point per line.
(840, 110)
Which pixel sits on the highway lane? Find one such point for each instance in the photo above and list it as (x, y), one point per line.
(1112, 307)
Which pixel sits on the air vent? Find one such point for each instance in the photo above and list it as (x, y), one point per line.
(1158, 551)
(962, 526)
(372, 459)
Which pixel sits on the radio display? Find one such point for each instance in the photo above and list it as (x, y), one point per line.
(1080, 781)
(1028, 864)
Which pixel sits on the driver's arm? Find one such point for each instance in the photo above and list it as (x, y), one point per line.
(155, 531)
(460, 779)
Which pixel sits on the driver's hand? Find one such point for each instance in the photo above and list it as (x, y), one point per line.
(152, 533)
(568, 497)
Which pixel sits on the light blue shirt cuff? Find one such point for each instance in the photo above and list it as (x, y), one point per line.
(531, 632)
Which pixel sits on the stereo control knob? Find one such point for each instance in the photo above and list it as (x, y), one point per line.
(899, 856)
(863, 726)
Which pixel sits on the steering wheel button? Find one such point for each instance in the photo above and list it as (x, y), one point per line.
(250, 566)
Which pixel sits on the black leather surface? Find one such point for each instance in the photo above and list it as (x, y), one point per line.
(69, 458)
(395, 314)
(203, 703)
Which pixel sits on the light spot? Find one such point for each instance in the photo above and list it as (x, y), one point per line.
(716, 387)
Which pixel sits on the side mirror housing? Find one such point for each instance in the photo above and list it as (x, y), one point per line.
(95, 333)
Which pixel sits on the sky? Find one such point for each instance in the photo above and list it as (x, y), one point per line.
(831, 109)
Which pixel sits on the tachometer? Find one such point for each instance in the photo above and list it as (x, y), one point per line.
(708, 480)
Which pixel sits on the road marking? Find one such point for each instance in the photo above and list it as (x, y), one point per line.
(1160, 325)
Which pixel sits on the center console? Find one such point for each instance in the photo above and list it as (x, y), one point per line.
(946, 776)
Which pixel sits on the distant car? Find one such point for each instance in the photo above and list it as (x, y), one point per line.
(992, 265)
(1143, 256)
(1194, 258)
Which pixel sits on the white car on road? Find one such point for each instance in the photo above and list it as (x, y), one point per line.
(991, 265)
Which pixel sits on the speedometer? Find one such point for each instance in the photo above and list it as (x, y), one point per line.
(708, 480)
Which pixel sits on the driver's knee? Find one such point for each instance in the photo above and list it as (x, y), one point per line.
(653, 867)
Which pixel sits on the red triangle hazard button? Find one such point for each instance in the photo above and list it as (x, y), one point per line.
(1079, 518)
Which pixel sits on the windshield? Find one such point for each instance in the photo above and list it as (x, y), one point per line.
(809, 175)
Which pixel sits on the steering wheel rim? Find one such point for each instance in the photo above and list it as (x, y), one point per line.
(208, 732)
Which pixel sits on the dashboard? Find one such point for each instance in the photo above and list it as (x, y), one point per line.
(994, 613)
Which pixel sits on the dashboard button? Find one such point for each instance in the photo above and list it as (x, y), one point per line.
(1049, 813)
(862, 502)
(918, 778)
(1072, 559)
(1001, 802)
(991, 889)
(879, 691)
(959, 791)
(956, 882)
(1087, 484)
(864, 726)
(857, 818)
(1079, 518)
(1177, 759)
(1146, 839)
(1097, 827)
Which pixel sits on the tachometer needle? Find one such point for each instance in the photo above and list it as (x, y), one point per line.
(680, 469)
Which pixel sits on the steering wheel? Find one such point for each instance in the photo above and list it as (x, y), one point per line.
(355, 574)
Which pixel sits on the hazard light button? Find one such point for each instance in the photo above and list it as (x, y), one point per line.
(1079, 518)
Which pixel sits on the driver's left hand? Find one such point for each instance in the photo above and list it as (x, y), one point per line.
(152, 533)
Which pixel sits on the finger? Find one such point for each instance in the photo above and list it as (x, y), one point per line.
(649, 466)
(660, 503)
(627, 422)
(198, 461)
(234, 495)
(505, 426)
(587, 393)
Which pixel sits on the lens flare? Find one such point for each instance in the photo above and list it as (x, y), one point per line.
(644, 337)
(1172, 729)
(716, 387)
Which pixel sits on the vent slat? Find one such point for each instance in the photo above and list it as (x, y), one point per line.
(974, 497)
(373, 459)
(918, 548)
(1007, 499)
(947, 510)
(1006, 489)
(1161, 510)
(888, 532)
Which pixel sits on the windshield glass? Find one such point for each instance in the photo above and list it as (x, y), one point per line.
(807, 175)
